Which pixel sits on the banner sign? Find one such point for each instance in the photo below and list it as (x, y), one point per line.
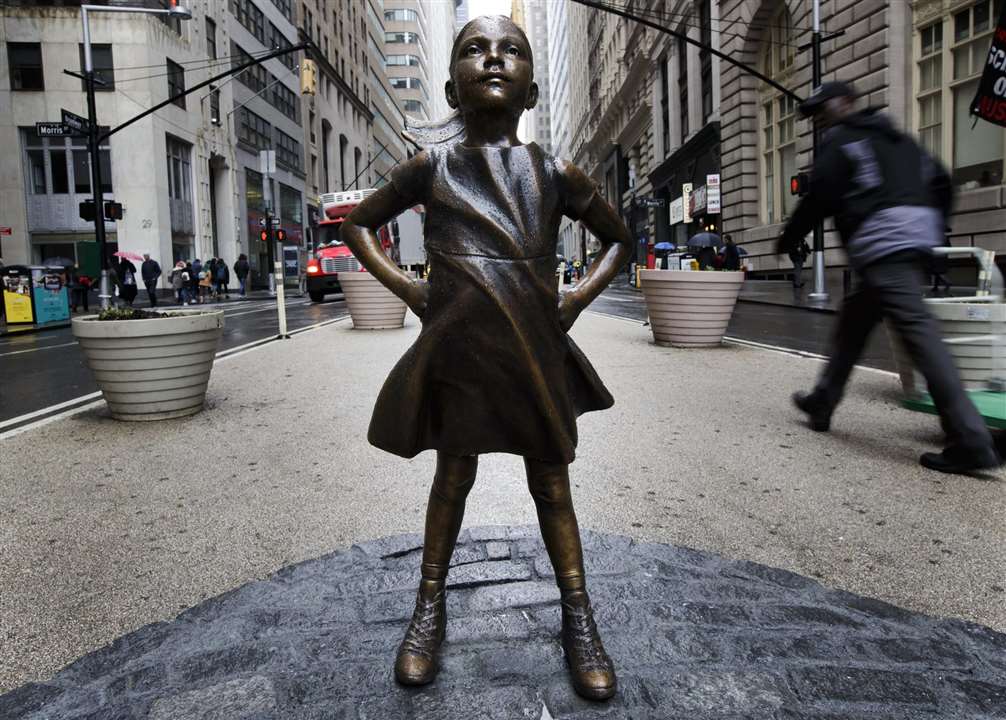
(51, 301)
(686, 203)
(713, 203)
(698, 201)
(677, 211)
(990, 101)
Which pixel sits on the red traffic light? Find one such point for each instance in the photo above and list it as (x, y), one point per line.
(281, 235)
(264, 236)
(799, 184)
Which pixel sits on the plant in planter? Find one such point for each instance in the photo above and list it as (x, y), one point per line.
(690, 308)
(371, 305)
(151, 365)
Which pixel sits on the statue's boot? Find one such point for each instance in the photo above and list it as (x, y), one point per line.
(591, 670)
(416, 662)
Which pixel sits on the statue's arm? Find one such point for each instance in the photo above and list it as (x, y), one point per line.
(359, 232)
(586, 205)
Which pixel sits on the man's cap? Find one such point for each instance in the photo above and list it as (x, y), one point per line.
(823, 93)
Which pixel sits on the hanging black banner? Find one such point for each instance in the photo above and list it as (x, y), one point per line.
(990, 101)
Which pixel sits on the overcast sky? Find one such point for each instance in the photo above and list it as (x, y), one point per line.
(488, 7)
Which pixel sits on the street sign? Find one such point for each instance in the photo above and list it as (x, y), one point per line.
(267, 162)
(76, 123)
(650, 202)
(275, 222)
(52, 129)
(5, 231)
(714, 203)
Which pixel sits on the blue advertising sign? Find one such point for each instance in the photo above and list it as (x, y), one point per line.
(52, 303)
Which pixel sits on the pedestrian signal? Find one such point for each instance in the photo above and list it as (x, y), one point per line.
(264, 236)
(113, 211)
(799, 184)
(86, 210)
(281, 235)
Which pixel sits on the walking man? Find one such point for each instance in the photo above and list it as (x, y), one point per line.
(798, 256)
(151, 271)
(241, 270)
(890, 201)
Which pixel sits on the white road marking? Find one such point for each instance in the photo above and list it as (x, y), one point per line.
(36, 349)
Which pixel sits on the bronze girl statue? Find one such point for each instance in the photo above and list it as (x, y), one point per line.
(493, 369)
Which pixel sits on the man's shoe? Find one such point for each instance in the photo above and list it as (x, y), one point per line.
(818, 412)
(961, 461)
(416, 662)
(591, 670)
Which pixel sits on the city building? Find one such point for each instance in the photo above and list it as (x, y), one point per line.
(176, 204)
(406, 54)
(460, 14)
(538, 119)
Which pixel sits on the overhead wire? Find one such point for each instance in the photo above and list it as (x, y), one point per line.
(212, 65)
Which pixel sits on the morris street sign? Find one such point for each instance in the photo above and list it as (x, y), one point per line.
(53, 129)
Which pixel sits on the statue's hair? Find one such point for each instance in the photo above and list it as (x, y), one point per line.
(426, 134)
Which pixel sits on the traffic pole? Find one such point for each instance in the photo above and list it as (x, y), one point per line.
(280, 299)
(104, 292)
(820, 292)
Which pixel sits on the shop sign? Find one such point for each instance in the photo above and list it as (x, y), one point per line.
(713, 202)
(686, 200)
(698, 201)
(677, 211)
(990, 100)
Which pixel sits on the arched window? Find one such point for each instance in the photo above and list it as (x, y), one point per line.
(357, 155)
(777, 119)
(343, 145)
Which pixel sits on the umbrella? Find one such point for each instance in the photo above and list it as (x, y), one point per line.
(741, 251)
(704, 239)
(59, 262)
(127, 255)
(665, 247)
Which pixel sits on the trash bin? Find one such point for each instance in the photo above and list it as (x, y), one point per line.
(17, 300)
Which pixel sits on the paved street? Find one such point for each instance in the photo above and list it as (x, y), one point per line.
(49, 368)
(108, 526)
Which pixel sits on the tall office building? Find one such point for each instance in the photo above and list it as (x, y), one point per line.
(557, 17)
(460, 14)
(539, 121)
(440, 38)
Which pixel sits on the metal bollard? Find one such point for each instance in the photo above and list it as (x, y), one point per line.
(280, 299)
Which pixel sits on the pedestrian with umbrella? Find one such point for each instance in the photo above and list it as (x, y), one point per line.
(705, 243)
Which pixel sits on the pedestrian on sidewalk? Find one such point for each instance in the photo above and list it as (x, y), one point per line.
(195, 275)
(731, 255)
(241, 270)
(79, 286)
(890, 200)
(150, 271)
(798, 256)
(493, 369)
(127, 280)
(180, 282)
(223, 279)
(939, 266)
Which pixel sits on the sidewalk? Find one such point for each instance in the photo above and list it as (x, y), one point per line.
(110, 526)
(782, 292)
(163, 301)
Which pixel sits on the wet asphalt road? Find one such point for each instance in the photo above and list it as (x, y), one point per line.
(45, 368)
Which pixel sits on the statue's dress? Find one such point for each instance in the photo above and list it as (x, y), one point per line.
(492, 369)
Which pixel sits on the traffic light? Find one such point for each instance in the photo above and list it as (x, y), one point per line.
(86, 211)
(308, 77)
(799, 184)
(113, 211)
(281, 235)
(264, 236)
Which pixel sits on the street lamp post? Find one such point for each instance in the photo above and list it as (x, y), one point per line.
(104, 294)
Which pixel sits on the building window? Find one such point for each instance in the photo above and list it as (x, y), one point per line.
(278, 41)
(285, 7)
(211, 39)
(253, 130)
(250, 17)
(285, 100)
(25, 61)
(706, 58)
(256, 77)
(60, 166)
(101, 61)
(665, 116)
(683, 88)
(945, 83)
(406, 83)
(215, 107)
(401, 16)
(777, 120)
(402, 60)
(291, 207)
(179, 156)
(409, 38)
(176, 82)
(288, 151)
(413, 106)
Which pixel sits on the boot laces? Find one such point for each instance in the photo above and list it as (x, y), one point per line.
(423, 634)
(584, 640)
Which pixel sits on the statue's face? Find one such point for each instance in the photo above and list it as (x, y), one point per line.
(491, 68)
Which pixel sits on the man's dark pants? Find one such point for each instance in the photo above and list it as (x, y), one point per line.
(152, 293)
(891, 287)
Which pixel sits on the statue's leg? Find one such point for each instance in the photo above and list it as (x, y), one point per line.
(592, 672)
(416, 663)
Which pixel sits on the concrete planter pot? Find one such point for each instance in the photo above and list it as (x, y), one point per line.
(974, 332)
(371, 305)
(152, 369)
(690, 308)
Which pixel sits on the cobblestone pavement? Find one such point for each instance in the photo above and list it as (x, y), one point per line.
(693, 635)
